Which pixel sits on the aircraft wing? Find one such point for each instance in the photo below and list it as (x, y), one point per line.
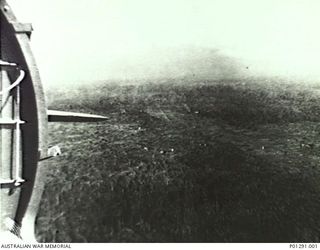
(63, 116)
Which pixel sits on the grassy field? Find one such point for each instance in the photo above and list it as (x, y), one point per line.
(186, 161)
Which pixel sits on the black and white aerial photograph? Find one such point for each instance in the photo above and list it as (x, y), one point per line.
(148, 121)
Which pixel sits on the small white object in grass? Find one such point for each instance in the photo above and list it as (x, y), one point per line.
(262, 147)
(140, 129)
(145, 148)
(172, 149)
(54, 151)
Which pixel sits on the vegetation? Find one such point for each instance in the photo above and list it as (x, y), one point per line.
(179, 161)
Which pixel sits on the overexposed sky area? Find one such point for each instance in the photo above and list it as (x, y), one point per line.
(88, 40)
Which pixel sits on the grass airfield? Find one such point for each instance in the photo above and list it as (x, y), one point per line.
(185, 161)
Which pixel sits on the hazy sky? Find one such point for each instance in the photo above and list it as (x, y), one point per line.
(85, 40)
